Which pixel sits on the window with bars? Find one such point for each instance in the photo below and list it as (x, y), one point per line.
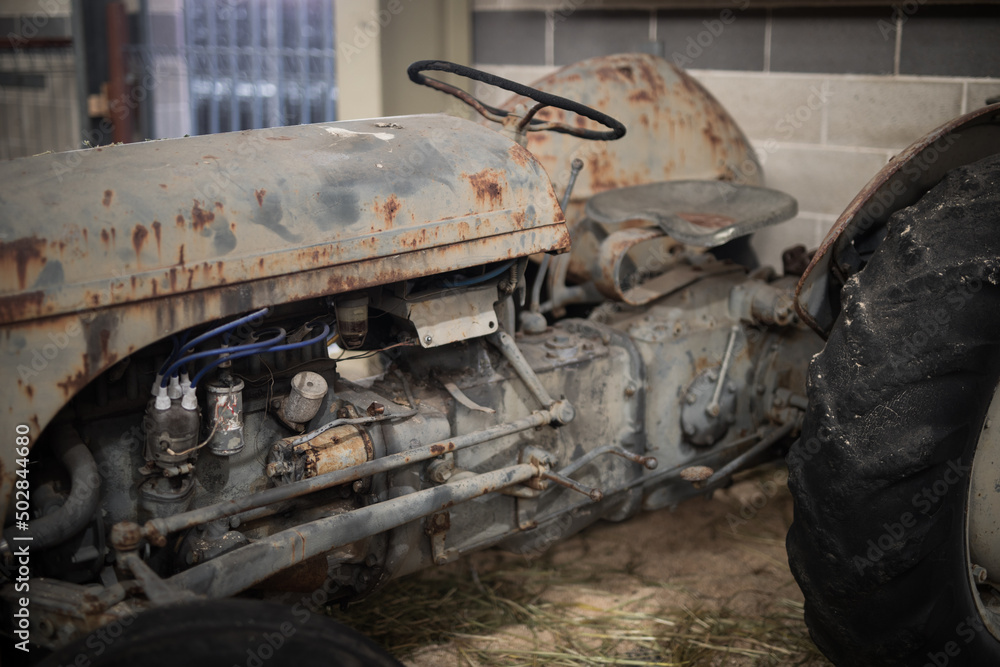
(258, 63)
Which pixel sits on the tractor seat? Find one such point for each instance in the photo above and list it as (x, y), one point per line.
(698, 213)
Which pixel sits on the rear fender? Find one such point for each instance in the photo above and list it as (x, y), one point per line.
(900, 183)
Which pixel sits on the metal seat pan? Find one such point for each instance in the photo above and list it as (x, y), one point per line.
(699, 213)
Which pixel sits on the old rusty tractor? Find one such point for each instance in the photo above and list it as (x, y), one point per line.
(563, 323)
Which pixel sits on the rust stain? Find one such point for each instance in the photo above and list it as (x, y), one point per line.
(606, 74)
(260, 196)
(139, 236)
(108, 196)
(209, 157)
(437, 524)
(487, 186)
(707, 220)
(200, 218)
(712, 137)
(640, 95)
(156, 232)
(388, 210)
(74, 383)
(105, 339)
(437, 449)
(180, 255)
(19, 306)
(520, 155)
(24, 253)
(180, 220)
(651, 78)
(163, 185)
(602, 173)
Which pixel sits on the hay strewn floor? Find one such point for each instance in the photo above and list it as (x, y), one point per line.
(707, 584)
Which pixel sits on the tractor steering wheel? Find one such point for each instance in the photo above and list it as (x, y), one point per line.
(527, 123)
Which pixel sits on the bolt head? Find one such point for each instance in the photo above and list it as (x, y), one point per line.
(428, 339)
(126, 535)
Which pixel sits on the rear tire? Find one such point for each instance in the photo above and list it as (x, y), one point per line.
(224, 633)
(897, 402)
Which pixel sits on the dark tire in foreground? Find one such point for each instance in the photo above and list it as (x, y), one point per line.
(225, 633)
(898, 401)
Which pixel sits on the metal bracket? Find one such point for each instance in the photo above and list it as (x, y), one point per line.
(449, 316)
(462, 398)
(562, 411)
(156, 589)
(437, 528)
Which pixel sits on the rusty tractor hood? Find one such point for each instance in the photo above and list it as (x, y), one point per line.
(94, 228)
(676, 129)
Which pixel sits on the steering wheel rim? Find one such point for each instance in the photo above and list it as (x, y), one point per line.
(528, 123)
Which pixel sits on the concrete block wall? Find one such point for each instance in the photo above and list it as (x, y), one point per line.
(826, 95)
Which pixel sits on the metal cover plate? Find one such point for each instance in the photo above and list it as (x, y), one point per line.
(451, 316)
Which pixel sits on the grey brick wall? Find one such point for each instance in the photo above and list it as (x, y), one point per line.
(827, 96)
